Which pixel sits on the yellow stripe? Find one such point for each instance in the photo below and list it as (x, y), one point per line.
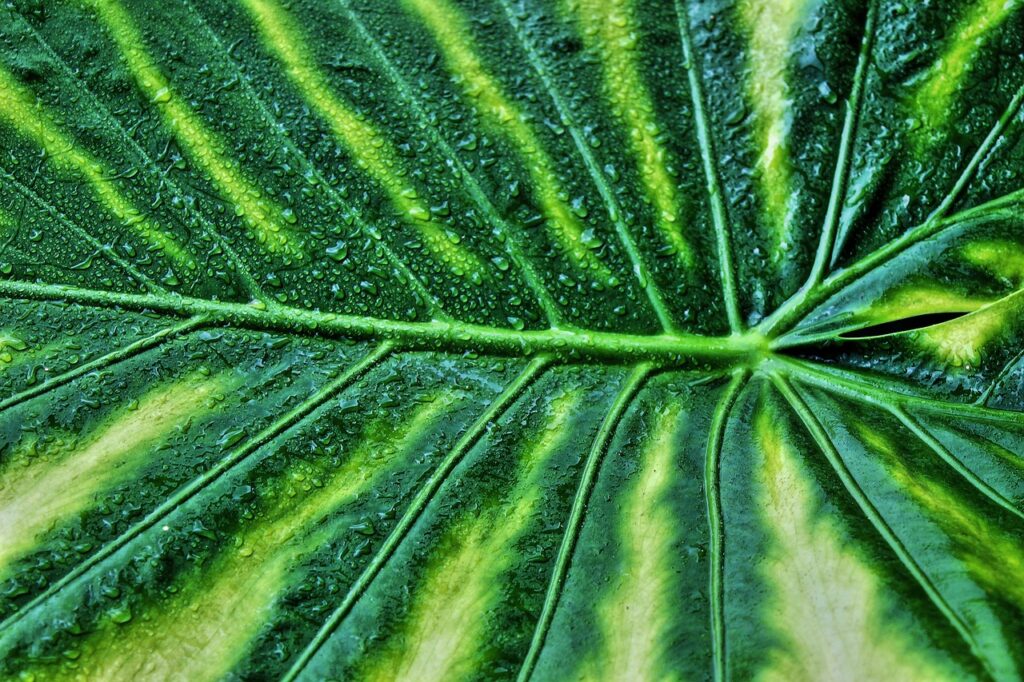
(992, 556)
(961, 342)
(934, 96)
(1003, 258)
(449, 29)
(48, 483)
(206, 629)
(19, 108)
(608, 26)
(637, 612)
(265, 219)
(440, 641)
(772, 26)
(918, 299)
(828, 609)
(373, 152)
(384, 445)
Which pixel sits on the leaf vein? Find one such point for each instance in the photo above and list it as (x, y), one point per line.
(631, 387)
(108, 360)
(723, 236)
(640, 270)
(881, 526)
(423, 498)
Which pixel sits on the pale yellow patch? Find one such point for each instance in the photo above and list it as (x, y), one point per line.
(439, 640)
(45, 486)
(961, 342)
(1003, 258)
(204, 631)
(486, 95)
(19, 109)
(373, 152)
(263, 217)
(636, 612)
(993, 557)
(772, 25)
(917, 299)
(828, 608)
(608, 26)
(935, 95)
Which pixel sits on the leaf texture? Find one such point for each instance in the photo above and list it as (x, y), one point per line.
(512, 339)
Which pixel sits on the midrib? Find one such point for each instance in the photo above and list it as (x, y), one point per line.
(675, 349)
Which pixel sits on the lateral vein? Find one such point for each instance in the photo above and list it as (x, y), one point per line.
(286, 422)
(423, 498)
(723, 236)
(631, 387)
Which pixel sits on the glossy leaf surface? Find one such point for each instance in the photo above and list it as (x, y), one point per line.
(512, 339)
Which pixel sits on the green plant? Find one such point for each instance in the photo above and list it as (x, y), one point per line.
(439, 339)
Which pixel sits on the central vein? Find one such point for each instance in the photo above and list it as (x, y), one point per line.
(668, 349)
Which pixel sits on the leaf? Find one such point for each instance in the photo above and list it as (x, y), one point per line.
(444, 339)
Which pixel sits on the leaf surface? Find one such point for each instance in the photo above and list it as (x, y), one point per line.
(511, 339)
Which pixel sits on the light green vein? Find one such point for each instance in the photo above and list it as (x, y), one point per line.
(574, 524)
(441, 637)
(678, 349)
(501, 228)
(109, 359)
(792, 311)
(640, 269)
(465, 443)
(925, 436)
(723, 236)
(716, 525)
(884, 392)
(840, 180)
(109, 253)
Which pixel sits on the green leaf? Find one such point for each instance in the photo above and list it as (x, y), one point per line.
(512, 339)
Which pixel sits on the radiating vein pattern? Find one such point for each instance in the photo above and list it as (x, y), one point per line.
(489, 98)
(18, 108)
(385, 341)
(828, 606)
(268, 222)
(611, 29)
(370, 147)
